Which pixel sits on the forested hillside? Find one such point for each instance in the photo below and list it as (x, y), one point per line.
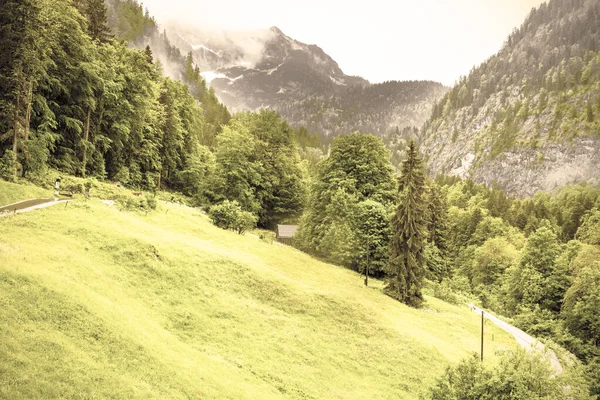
(135, 25)
(534, 260)
(77, 99)
(528, 118)
(80, 97)
(378, 109)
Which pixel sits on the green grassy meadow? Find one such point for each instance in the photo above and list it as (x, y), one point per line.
(101, 303)
(13, 192)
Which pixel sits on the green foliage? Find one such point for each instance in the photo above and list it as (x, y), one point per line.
(81, 102)
(7, 165)
(436, 263)
(355, 184)
(97, 17)
(338, 241)
(134, 203)
(437, 218)
(491, 260)
(589, 231)
(445, 292)
(236, 172)
(526, 279)
(406, 268)
(197, 172)
(229, 215)
(540, 279)
(372, 234)
(520, 375)
(582, 302)
(257, 165)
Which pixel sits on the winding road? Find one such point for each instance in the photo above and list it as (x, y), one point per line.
(526, 341)
(29, 205)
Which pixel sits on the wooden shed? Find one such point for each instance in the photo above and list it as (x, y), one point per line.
(285, 234)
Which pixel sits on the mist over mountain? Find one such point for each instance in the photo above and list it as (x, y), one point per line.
(261, 69)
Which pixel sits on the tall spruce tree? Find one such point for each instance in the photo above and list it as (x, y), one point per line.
(22, 64)
(406, 267)
(96, 14)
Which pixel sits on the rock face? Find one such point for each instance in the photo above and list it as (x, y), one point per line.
(267, 69)
(525, 171)
(528, 118)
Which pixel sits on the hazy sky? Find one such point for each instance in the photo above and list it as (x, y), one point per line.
(376, 39)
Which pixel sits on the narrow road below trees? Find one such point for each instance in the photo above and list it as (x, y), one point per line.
(526, 341)
(29, 205)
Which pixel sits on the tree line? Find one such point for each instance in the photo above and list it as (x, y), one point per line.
(77, 99)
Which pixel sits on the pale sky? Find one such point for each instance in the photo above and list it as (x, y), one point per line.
(379, 40)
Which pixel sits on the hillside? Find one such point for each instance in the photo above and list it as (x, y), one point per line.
(527, 118)
(268, 69)
(120, 304)
(131, 22)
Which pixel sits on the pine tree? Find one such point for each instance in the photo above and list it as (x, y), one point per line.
(437, 223)
(22, 64)
(406, 269)
(97, 16)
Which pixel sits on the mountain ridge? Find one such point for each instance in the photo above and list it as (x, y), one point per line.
(527, 118)
(259, 69)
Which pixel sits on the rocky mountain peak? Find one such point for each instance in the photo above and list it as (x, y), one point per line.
(266, 68)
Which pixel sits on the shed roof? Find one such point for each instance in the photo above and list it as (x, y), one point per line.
(286, 231)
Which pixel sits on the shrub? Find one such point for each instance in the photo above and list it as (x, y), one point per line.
(142, 203)
(151, 202)
(122, 176)
(7, 164)
(443, 292)
(229, 215)
(520, 375)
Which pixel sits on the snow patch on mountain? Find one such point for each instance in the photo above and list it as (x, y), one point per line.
(203, 47)
(337, 82)
(210, 76)
(233, 80)
(271, 71)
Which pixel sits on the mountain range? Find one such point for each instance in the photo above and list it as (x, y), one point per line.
(253, 70)
(526, 119)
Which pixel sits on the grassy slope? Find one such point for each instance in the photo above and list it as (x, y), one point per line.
(13, 192)
(99, 303)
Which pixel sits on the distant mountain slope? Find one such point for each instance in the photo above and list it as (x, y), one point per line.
(267, 69)
(528, 117)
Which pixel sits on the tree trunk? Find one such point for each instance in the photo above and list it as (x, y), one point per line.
(28, 113)
(16, 133)
(86, 138)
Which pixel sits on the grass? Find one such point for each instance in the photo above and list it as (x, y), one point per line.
(101, 303)
(14, 192)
